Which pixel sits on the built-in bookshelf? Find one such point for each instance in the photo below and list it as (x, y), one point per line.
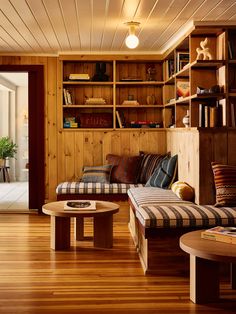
(122, 92)
(102, 93)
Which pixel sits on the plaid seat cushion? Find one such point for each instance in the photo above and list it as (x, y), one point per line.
(185, 215)
(94, 188)
(151, 195)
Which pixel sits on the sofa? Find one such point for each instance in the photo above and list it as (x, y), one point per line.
(111, 181)
(159, 213)
(158, 218)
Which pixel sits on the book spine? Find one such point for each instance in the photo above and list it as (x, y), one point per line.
(201, 115)
(218, 237)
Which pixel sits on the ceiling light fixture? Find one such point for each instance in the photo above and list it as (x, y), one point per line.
(132, 40)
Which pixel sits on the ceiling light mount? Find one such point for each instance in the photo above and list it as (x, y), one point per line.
(132, 40)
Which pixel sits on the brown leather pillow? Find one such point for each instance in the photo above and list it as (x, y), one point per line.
(125, 168)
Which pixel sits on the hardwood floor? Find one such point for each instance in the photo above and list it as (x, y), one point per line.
(14, 196)
(34, 279)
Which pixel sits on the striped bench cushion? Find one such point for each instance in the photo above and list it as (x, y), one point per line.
(185, 215)
(94, 188)
(152, 195)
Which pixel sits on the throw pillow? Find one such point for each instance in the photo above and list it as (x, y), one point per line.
(164, 175)
(97, 174)
(183, 190)
(125, 168)
(225, 184)
(148, 165)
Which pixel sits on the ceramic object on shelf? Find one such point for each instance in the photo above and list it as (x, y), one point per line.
(151, 99)
(186, 120)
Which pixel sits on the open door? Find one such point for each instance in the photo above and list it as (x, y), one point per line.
(36, 131)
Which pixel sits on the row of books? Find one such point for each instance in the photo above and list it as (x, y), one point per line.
(67, 97)
(168, 68)
(212, 115)
(220, 234)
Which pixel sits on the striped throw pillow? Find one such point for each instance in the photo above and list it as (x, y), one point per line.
(97, 174)
(164, 175)
(148, 165)
(225, 184)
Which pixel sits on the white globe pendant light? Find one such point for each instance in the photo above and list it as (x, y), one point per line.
(132, 40)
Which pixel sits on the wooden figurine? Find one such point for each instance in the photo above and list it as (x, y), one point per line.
(204, 52)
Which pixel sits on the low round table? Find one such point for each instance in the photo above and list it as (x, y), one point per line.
(205, 256)
(60, 224)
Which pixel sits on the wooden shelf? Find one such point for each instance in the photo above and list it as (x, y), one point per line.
(139, 83)
(207, 63)
(87, 83)
(87, 106)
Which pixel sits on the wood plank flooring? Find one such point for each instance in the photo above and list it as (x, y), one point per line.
(34, 279)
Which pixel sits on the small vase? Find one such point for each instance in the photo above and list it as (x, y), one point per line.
(186, 120)
(151, 100)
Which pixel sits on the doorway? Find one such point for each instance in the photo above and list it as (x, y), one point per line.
(35, 131)
(14, 124)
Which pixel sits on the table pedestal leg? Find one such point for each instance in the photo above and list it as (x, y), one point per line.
(204, 280)
(79, 229)
(60, 233)
(103, 231)
(233, 275)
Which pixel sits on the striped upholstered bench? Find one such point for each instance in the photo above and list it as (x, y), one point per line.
(99, 191)
(158, 218)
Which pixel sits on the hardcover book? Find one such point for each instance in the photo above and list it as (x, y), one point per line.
(221, 234)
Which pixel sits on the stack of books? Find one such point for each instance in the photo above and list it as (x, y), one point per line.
(221, 234)
(95, 101)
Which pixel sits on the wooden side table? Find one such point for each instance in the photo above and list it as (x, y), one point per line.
(5, 173)
(60, 224)
(205, 256)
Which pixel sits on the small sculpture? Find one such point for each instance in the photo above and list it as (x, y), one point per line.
(203, 51)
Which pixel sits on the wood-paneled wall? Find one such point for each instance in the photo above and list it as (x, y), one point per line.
(87, 148)
(196, 150)
(67, 151)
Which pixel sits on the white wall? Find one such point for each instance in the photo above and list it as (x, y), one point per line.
(22, 132)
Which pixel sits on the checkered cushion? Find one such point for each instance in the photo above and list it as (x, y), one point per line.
(94, 188)
(151, 195)
(185, 215)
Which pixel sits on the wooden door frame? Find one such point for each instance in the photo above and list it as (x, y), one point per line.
(36, 131)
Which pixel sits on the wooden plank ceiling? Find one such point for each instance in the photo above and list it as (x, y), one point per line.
(65, 26)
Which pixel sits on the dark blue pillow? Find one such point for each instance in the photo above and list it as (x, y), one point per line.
(164, 175)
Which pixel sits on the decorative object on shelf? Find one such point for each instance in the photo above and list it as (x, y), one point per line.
(186, 120)
(182, 88)
(8, 149)
(95, 101)
(151, 72)
(215, 89)
(182, 60)
(151, 99)
(203, 53)
(132, 40)
(100, 75)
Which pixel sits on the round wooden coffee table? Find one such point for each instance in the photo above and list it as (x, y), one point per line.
(205, 256)
(60, 223)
